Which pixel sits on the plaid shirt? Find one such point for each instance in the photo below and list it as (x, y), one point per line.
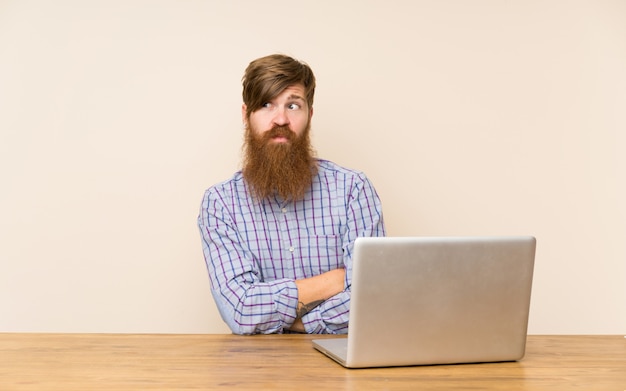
(255, 250)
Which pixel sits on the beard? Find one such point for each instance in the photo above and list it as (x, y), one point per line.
(285, 169)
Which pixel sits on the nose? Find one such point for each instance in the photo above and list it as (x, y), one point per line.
(280, 117)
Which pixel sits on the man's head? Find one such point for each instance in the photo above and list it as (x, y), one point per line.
(278, 96)
(266, 77)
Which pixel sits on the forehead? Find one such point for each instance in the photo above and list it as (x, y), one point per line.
(295, 91)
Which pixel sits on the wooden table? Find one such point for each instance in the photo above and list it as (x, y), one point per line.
(206, 362)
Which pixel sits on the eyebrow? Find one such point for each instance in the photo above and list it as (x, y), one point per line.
(295, 97)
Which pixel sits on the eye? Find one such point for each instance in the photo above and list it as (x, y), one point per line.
(293, 106)
(266, 105)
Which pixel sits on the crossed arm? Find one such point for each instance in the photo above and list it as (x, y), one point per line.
(315, 290)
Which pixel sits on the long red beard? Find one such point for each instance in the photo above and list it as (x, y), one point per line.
(284, 169)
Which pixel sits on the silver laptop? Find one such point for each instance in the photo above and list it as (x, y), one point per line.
(436, 300)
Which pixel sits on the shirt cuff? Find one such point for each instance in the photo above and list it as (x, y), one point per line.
(286, 300)
(330, 317)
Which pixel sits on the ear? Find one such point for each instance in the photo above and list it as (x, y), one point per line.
(311, 113)
(244, 110)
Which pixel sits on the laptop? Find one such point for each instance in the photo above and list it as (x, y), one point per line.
(436, 300)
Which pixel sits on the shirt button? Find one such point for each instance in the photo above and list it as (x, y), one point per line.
(291, 249)
(284, 210)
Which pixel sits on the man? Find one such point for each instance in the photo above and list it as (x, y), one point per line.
(278, 236)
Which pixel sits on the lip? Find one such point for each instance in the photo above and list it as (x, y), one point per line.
(280, 139)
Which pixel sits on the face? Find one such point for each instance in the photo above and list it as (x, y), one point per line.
(288, 109)
(278, 156)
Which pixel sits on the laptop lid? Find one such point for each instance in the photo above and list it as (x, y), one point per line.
(437, 300)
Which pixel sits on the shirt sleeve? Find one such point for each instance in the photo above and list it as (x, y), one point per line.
(246, 304)
(364, 218)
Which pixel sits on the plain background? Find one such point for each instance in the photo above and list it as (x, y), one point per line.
(485, 117)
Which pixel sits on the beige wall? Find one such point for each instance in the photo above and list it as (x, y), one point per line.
(471, 117)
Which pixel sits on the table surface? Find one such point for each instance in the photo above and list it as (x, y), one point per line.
(206, 362)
